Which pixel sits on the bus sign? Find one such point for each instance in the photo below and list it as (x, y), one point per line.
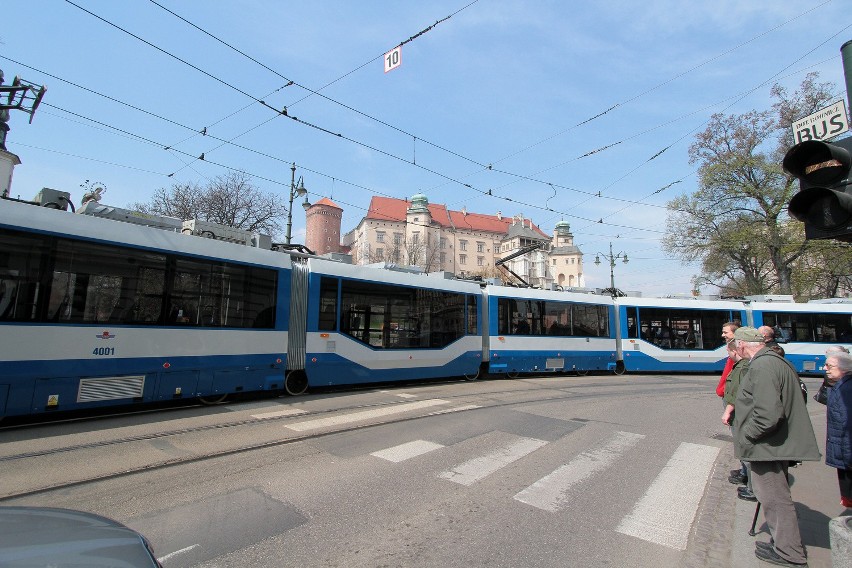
(823, 124)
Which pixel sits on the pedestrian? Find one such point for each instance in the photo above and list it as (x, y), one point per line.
(772, 428)
(728, 330)
(732, 386)
(769, 339)
(838, 438)
(822, 394)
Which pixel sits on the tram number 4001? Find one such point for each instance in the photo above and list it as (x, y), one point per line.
(103, 351)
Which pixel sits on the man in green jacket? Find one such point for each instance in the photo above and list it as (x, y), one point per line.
(772, 428)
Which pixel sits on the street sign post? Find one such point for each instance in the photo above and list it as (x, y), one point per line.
(823, 124)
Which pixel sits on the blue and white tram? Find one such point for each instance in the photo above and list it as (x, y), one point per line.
(540, 331)
(95, 312)
(806, 330)
(372, 325)
(672, 335)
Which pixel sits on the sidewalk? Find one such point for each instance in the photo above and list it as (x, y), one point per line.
(817, 499)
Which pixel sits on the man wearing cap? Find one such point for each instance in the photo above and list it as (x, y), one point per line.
(772, 428)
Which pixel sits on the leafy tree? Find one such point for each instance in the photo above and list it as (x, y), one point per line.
(737, 222)
(229, 199)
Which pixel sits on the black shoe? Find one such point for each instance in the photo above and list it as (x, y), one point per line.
(745, 494)
(764, 545)
(769, 555)
(738, 478)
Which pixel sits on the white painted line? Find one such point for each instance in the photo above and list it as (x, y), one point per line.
(550, 493)
(405, 395)
(277, 413)
(665, 513)
(175, 553)
(473, 470)
(403, 452)
(365, 415)
(456, 409)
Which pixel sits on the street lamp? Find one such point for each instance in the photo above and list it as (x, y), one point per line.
(612, 258)
(295, 189)
(619, 367)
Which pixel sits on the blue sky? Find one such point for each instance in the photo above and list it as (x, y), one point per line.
(500, 83)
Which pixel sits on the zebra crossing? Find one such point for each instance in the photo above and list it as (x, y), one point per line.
(664, 515)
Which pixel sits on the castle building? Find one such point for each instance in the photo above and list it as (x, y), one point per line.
(436, 238)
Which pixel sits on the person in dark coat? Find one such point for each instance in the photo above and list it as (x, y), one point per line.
(838, 442)
(772, 428)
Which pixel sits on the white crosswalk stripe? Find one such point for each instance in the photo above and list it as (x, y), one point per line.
(364, 415)
(550, 492)
(406, 451)
(665, 513)
(476, 469)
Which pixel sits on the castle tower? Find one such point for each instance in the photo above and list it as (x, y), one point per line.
(322, 226)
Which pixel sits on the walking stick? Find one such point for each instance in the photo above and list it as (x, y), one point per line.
(754, 520)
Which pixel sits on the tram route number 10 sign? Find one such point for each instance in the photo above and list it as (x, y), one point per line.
(393, 58)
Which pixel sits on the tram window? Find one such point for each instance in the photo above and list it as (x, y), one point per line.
(533, 317)
(399, 317)
(69, 281)
(99, 284)
(472, 315)
(328, 304)
(682, 328)
(805, 327)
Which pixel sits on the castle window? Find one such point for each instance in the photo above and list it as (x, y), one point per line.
(380, 237)
(462, 259)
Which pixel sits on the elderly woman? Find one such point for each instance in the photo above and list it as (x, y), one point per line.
(838, 444)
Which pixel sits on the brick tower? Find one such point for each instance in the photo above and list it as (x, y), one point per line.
(322, 226)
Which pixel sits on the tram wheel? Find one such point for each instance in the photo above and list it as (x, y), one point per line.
(620, 369)
(211, 400)
(582, 372)
(513, 374)
(295, 383)
(472, 376)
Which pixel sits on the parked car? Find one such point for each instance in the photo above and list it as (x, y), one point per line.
(42, 536)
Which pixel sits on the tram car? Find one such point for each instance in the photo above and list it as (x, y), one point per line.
(542, 331)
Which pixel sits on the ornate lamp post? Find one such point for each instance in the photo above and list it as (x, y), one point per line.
(295, 189)
(615, 292)
(612, 258)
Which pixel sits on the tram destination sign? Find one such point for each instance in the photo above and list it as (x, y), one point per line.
(823, 124)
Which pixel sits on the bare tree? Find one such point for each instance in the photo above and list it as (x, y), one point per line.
(229, 199)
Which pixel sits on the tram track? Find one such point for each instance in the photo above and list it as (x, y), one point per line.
(486, 399)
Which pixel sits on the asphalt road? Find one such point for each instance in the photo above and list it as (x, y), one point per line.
(558, 471)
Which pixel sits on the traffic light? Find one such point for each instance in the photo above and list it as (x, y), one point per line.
(824, 201)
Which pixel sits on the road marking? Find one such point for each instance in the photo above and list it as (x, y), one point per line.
(175, 553)
(405, 395)
(277, 413)
(473, 470)
(364, 415)
(550, 493)
(665, 513)
(405, 451)
(455, 409)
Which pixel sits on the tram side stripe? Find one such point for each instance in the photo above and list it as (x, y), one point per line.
(476, 469)
(406, 451)
(665, 513)
(365, 415)
(550, 493)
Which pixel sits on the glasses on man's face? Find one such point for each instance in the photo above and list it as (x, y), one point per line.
(830, 366)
